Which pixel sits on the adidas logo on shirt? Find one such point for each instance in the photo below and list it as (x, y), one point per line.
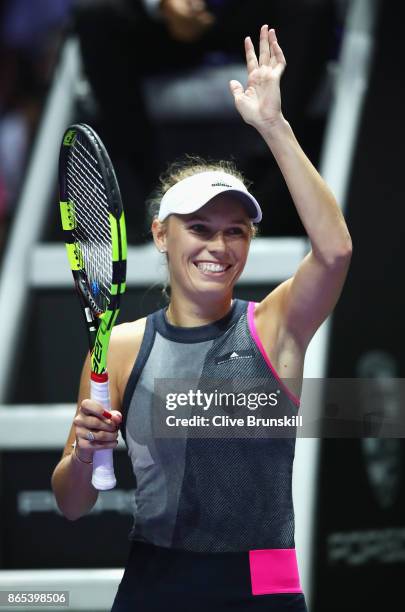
(234, 355)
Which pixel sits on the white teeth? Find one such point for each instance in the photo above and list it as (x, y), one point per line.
(211, 267)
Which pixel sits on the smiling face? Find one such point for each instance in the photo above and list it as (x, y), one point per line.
(207, 249)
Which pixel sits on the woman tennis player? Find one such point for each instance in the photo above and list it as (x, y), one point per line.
(214, 518)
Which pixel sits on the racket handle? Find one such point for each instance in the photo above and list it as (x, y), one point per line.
(103, 467)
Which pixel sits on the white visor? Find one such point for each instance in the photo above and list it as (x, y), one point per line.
(195, 191)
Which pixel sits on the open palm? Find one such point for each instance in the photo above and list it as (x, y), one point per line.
(260, 103)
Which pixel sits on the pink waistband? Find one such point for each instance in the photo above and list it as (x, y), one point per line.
(274, 570)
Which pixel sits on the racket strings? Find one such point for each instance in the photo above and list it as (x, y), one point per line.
(93, 232)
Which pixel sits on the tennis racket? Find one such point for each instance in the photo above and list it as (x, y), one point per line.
(94, 230)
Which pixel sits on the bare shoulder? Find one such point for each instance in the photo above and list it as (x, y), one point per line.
(125, 332)
(126, 340)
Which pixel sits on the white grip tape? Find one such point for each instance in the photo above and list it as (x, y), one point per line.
(103, 477)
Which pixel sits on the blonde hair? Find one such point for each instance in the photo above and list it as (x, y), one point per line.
(187, 166)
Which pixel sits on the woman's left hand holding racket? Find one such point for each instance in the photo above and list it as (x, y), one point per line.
(92, 418)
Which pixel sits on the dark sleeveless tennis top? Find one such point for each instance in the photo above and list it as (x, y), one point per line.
(208, 493)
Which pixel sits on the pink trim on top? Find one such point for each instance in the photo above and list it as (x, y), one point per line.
(274, 570)
(255, 336)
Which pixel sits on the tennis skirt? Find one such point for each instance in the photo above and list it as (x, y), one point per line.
(158, 579)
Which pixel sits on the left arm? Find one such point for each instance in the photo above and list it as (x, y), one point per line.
(304, 301)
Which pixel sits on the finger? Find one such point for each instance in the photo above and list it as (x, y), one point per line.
(116, 417)
(98, 415)
(275, 48)
(94, 423)
(91, 407)
(236, 88)
(100, 437)
(264, 51)
(251, 59)
(104, 436)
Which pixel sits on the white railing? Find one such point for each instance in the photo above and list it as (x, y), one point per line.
(270, 261)
(33, 208)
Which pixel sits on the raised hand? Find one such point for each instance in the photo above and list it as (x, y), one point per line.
(260, 103)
